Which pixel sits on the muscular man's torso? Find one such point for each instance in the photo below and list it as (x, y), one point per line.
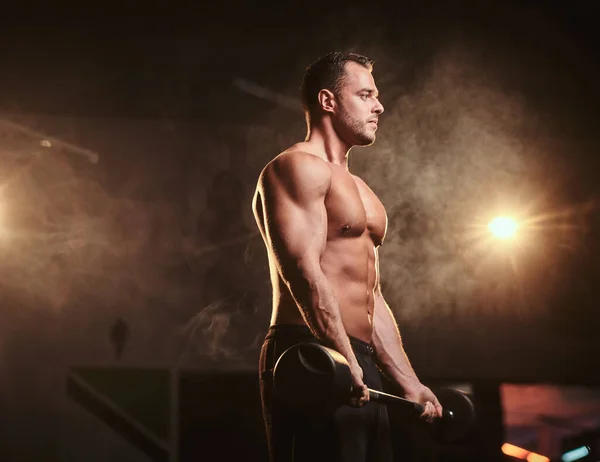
(356, 226)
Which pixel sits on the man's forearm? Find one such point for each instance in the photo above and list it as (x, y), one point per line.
(321, 312)
(390, 354)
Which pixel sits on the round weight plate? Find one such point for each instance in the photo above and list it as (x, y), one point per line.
(463, 416)
(304, 379)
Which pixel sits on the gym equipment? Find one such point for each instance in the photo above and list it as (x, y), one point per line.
(310, 378)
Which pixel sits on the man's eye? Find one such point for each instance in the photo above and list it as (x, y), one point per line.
(364, 97)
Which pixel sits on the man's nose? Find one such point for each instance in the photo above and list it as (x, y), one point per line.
(378, 107)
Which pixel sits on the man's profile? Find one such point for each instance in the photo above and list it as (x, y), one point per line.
(322, 227)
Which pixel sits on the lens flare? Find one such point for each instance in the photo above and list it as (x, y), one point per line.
(503, 227)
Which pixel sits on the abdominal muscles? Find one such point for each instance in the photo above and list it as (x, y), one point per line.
(348, 264)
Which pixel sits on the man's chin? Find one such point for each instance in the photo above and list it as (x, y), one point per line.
(364, 142)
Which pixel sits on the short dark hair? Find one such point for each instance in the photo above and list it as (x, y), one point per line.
(327, 72)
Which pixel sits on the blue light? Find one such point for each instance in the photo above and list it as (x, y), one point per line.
(576, 454)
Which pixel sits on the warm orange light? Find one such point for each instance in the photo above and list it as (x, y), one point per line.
(533, 457)
(514, 451)
(503, 227)
(524, 454)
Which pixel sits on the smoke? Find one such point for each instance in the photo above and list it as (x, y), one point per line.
(64, 234)
(458, 146)
(149, 221)
(452, 153)
(44, 220)
(223, 333)
(171, 251)
(163, 231)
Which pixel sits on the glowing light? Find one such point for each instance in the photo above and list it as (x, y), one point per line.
(533, 457)
(503, 227)
(575, 454)
(523, 454)
(514, 451)
(46, 144)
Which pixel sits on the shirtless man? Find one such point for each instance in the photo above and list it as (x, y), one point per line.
(322, 227)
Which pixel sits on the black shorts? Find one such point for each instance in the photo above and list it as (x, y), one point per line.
(346, 434)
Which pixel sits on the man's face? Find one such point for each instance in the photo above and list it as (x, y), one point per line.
(359, 107)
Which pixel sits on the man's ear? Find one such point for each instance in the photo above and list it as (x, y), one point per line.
(327, 100)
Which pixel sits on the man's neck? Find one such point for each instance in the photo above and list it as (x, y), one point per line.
(323, 141)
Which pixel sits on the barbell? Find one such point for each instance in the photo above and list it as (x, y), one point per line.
(309, 378)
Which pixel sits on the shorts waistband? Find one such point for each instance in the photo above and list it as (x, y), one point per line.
(358, 345)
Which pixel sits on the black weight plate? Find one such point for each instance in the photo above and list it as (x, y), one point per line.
(463, 419)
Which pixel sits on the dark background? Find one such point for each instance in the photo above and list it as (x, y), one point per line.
(149, 257)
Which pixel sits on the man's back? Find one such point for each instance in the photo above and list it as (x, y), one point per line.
(339, 215)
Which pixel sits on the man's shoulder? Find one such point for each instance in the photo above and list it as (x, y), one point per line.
(298, 165)
(299, 158)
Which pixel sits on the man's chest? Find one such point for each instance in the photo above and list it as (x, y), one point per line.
(353, 209)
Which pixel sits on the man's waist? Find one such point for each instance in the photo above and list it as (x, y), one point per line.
(303, 333)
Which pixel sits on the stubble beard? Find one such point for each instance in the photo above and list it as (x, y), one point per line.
(358, 130)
